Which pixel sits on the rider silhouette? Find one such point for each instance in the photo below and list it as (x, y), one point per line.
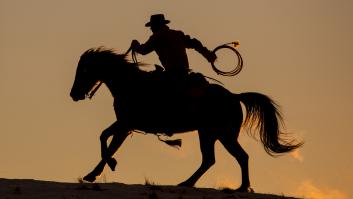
(170, 46)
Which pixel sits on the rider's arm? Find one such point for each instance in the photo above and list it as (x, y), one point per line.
(143, 48)
(197, 45)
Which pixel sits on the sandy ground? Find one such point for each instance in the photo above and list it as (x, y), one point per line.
(34, 189)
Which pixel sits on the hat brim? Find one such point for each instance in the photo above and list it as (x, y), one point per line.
(149, 24)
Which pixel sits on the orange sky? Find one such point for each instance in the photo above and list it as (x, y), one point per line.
(297, 52)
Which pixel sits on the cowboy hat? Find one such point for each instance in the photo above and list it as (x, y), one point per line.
(157, 19)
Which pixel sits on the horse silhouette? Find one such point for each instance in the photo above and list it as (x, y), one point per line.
(144, 102)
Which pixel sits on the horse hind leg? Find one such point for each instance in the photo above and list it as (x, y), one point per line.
(207, 142)
(231, 144)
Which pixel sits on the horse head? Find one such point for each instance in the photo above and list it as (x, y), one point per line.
(91, 71)
(85, 77)
(98, 65)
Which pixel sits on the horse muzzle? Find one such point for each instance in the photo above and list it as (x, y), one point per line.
(77, 97)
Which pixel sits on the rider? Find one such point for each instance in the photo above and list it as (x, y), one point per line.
(170, 46)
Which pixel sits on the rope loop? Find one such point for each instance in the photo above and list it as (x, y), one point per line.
(239, 65)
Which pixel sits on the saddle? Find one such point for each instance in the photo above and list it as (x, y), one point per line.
(178, 84)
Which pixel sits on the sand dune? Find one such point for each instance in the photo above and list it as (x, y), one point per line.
(34, 189)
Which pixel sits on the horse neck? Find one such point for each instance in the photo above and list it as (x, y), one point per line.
(118, 82)
(113, 84)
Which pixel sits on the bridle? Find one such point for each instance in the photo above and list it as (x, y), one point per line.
(94, 89)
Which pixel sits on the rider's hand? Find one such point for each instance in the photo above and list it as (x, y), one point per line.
(211, 57)
(135, 44)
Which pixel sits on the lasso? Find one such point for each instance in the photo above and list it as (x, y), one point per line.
(239, 65)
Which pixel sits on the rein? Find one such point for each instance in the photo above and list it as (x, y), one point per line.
(133, 55)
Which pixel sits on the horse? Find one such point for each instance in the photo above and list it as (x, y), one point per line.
(142, 104)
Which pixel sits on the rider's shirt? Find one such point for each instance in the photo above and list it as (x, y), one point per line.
(170, 46)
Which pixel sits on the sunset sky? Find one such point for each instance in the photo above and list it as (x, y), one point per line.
(297, 52)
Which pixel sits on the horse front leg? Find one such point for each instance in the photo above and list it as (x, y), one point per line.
(119, 134)
(110, 131)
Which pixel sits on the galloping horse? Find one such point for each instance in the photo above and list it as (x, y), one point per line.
(141, 103)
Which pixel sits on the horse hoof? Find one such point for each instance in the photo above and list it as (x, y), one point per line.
(245, 190)
(185, 184)
(112, 163)
(89, 178)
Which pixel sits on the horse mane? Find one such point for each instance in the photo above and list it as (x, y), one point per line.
(105, 53)
(118, 63)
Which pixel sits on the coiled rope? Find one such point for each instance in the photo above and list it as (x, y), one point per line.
(239, 64)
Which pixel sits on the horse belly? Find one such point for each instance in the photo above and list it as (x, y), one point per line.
(163, 119)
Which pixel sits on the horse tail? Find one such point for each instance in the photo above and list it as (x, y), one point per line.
(263, 114)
